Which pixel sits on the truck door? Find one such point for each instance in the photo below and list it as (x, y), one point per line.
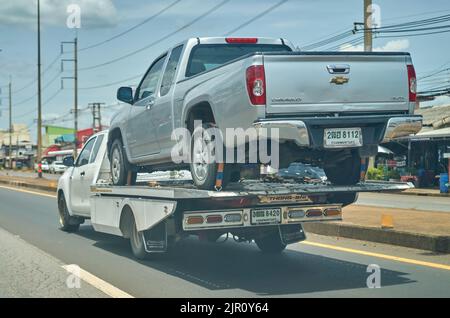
(83, 175)
(141, 126)
(162, 111)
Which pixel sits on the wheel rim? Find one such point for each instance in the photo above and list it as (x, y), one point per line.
(201, 156)
(115, 164)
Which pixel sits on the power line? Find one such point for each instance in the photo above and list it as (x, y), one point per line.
(208, 12)
(113, 83)
(240, 26)
(132, 28)
(257, 17)
(43, 72)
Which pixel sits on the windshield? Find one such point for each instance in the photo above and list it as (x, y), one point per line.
(205, 57)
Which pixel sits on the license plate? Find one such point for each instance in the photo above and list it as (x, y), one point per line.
(265, 216)
(342, 137)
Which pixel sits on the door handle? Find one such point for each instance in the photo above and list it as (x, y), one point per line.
(82, 173)
(150, 104)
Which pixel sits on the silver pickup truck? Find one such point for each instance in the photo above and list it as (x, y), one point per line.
(330, 109)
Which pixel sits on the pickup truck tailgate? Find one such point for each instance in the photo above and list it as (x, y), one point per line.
(336, 82)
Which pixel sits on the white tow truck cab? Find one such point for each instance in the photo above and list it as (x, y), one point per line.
(157, 213)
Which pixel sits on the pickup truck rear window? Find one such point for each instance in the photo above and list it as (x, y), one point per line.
(205, 57)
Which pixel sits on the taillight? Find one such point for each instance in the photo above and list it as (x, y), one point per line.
(256, 84)
(242, 40)
(412, 83)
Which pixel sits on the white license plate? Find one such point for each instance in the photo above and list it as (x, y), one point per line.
(342, 137)
(265, 216)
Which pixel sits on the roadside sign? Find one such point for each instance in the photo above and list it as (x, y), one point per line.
(447, 155)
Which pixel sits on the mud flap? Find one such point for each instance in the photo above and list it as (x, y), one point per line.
(292, 233)
(155, 239)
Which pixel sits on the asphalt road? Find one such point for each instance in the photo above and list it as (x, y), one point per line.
(200, 269)
(401, 201)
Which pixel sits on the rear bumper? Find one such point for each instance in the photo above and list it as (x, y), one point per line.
(308, 132)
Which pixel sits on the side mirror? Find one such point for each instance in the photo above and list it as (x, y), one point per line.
(68, 161)
(125, 94)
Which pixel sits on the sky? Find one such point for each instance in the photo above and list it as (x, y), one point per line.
(301, 21)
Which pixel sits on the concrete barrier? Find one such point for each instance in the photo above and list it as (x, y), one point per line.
(435, 243)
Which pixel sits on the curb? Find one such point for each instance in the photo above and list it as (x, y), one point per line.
(23, 184)
(440, 195)
(435, 243)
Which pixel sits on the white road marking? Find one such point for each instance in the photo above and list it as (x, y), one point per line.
(98, 283)
(28, 191)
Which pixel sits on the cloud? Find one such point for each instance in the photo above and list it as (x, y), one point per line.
(94, 13)
(391, 46)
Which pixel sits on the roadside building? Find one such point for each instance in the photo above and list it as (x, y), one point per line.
(22, 149)
(425, 152)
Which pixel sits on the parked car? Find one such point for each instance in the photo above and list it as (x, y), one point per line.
(57, 167)
(331, 108)
(301, 171)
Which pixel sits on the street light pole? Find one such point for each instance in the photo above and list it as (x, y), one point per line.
(39, 117)
(10, 124)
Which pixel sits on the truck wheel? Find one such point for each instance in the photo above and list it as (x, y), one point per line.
(137, 243)
(68, 222)
(344, 172)
(271, 244)
(203, 166)
(119, 165)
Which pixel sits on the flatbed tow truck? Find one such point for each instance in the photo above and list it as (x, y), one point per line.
(155, 214)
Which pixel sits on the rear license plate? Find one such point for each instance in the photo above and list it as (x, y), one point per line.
(342, 137)
(266, 216)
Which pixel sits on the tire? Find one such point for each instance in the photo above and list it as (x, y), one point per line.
(119, 165)
(137, 243)
(68, 223)
(345, 172)
(203, 173)
(271, 244)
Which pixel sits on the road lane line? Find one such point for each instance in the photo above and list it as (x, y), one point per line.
(378, 255)
(98, 283)
(29, 191)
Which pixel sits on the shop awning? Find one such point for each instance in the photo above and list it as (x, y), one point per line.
(443, 133)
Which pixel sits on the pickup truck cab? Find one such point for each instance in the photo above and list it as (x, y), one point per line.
(155, 214)
(331, 109)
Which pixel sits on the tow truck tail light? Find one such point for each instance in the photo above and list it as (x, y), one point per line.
(313, 212)
(332, 211)
(412, 83)
(242, 40)
(256, 84)
(194, 220)
(214, 218)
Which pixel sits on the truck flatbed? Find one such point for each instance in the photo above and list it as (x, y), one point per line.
(174, 189)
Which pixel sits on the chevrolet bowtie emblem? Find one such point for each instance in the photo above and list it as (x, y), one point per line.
(339, 80)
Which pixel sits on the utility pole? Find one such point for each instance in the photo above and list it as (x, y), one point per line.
(367, 25)
(39, 117)
(75, 78)
(96, 116)
(10, 124)
(75, 106)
